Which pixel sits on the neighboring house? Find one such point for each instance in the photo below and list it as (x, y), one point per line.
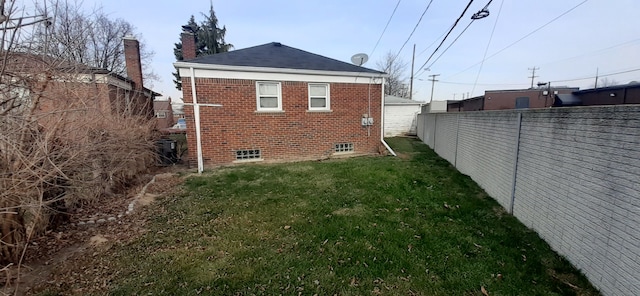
(164, 113)
(400, 116)
(273, 102)
(59, 84)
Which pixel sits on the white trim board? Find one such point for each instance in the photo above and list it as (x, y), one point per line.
(311, 76)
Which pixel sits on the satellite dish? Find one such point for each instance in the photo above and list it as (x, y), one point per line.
(359, 59)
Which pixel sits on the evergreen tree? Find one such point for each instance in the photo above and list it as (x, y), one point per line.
(209, 40)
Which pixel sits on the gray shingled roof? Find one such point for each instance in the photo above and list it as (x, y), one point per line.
(276, 55)
(388, 99)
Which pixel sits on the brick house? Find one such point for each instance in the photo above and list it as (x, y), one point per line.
(164, 113)
(59, 84)
(273, 102)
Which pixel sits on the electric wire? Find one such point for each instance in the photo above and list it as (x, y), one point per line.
(473, 19)
(524, 37)
(385, 27)
(454, 41)
(447, 35)
(432, 43)
(486, 50)
(601, 75)
(592, 52)
(552, 81)
(414, 30)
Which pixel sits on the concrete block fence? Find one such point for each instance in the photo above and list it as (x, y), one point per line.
(570, 174)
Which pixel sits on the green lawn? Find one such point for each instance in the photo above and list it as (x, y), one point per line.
(408, 225)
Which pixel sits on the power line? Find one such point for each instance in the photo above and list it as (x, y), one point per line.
(486, 50)
(432, 43)
(479, 15)
(525, 36)
(451, 44)
(414, 30)
(470, 83)
(445, 37)
(601, 75)
(593, 52)
(385, 27)
(553, 81)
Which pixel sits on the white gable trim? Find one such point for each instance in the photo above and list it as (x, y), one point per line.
(280, 74)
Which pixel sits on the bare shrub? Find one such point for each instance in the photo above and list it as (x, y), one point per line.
(69, 134)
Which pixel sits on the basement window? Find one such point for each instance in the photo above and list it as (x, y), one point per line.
(161, 114)
(250, 154)
(344, 147)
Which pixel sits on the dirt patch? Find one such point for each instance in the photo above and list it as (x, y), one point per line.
(147, 198)
(77, 259)
(357, 210)
(97, 240)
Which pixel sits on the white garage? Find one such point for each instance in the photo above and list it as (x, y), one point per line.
(400, 116)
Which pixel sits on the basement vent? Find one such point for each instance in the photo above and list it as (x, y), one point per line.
(248, 154)
(344, 147)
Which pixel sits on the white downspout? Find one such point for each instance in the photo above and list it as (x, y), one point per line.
(196, 115)
(382, 123)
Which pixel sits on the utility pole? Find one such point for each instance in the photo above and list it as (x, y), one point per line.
(533, 74)
(433, 83)
(596, 85)
(413, 59)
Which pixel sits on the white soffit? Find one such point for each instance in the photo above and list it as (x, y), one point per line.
(277, 74)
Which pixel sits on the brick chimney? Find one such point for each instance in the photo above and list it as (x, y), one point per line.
(188, 45)
(132, 60)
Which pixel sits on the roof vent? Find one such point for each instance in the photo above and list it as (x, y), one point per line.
(277, 44)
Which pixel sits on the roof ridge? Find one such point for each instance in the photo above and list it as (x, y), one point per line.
(278, 55)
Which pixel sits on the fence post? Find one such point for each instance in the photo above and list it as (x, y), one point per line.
(455, 156)
(435, 130)
(515, 162)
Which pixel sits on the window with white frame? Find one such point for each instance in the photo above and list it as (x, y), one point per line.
(161, 114)
(318, 96)
(269, 96)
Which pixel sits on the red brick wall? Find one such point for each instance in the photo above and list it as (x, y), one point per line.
(294, 134)
(163, 106)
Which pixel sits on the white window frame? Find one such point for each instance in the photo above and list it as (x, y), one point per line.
(263, 109)
(161, 114)
(327, 97)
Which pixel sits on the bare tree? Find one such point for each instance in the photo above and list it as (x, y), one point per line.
(396, 84)
(604, 82)
(89, 38)
(61, 142)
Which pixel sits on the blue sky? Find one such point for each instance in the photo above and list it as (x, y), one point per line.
(598, 35)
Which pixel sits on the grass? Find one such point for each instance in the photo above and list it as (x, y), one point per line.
(371, 225)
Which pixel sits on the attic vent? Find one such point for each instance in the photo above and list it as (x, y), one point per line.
(277, 44)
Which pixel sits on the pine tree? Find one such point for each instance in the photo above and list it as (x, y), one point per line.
(209, 40)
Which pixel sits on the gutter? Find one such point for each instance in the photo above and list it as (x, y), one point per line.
(230, 68)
